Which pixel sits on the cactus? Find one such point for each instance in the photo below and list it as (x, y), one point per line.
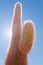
(22, 39)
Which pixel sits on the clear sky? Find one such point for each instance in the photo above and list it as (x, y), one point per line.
(32, 9)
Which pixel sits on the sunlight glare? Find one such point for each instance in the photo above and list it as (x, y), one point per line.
(8, 32)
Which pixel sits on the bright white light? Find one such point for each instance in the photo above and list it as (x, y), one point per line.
(8, 32)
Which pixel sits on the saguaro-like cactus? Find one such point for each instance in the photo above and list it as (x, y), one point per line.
(22, 39)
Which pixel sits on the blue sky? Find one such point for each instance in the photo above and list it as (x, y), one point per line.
(32, 9)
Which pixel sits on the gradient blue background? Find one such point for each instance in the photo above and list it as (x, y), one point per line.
(32, 9)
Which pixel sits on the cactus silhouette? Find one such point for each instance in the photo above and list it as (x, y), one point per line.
(22, 39)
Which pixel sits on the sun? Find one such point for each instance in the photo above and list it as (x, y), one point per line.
(8, 32)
